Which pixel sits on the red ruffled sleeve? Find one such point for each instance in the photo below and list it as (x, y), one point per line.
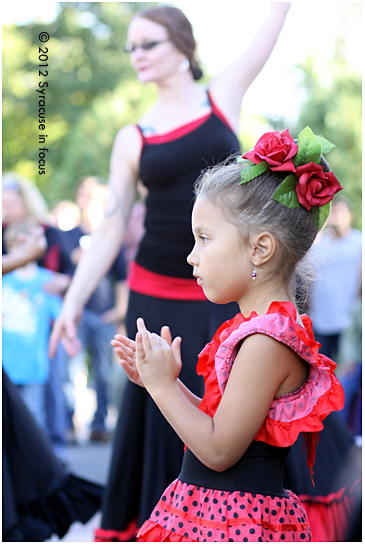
(290, 414)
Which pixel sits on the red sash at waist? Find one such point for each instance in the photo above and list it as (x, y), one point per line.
(149, 283)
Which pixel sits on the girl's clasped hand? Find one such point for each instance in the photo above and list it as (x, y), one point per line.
(151, 361)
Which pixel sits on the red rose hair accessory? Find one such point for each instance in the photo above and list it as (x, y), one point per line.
(307, 184)
(276, 149)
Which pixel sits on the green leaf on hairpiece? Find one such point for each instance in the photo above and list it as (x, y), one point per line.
(251, 171)
(286, 194)
(309, 149)
(324, 212)
(325, 144)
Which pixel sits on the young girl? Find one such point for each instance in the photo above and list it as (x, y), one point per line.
(253, 222)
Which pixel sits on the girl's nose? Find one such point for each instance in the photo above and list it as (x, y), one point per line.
(191, 258)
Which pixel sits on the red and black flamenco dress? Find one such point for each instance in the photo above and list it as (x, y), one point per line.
(247, 502)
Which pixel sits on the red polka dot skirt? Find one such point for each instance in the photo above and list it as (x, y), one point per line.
(192, 513)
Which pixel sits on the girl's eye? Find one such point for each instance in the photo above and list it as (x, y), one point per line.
(203, 239)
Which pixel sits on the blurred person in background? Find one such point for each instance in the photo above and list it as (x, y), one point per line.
(33, 246)
(190, 127)
(350, 369)
(107, 305)
(21, 200)
(28, 312)
(337, 256)
(66, 215)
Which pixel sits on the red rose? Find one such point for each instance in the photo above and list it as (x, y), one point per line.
(276, 149)
(315, 187)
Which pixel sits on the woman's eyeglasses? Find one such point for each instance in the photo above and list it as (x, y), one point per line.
(146, 46)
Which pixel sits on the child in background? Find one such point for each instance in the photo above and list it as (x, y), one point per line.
(253, 221)
(27, 315)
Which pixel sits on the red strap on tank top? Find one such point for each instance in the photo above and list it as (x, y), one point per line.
(218, 112)
(187, 128)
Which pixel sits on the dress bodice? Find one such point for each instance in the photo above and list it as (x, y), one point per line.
(290, 414)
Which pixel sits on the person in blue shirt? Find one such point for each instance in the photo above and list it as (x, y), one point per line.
(28, 313)
(337, 255)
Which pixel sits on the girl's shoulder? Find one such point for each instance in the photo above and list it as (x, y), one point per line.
(300, 411)
(282, 323)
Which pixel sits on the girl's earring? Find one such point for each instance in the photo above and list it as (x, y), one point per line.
(184, 65)
(254, 273)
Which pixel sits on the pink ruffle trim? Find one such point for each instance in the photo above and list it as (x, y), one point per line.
(300, 411)
(283, 434)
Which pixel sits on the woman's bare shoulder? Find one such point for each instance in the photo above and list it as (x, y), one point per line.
(128, 146)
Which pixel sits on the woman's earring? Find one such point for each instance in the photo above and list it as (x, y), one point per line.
(254, 273)
(184, 65)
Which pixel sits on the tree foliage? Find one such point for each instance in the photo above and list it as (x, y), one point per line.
(91, 93)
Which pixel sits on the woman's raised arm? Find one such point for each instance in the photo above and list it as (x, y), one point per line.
(228, 88)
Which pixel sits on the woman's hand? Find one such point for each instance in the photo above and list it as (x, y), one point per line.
(158, 359)
(125, 349)
(65, 330)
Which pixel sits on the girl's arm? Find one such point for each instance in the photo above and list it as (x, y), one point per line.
(262, 365)
(230, 85)
(106, 240)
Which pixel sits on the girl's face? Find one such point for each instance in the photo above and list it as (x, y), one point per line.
(13, 206)
(220, 259)
(159, 61)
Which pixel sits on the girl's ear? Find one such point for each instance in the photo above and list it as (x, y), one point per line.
(263, 248)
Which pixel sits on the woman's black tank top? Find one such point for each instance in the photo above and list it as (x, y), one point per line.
(169, 171)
